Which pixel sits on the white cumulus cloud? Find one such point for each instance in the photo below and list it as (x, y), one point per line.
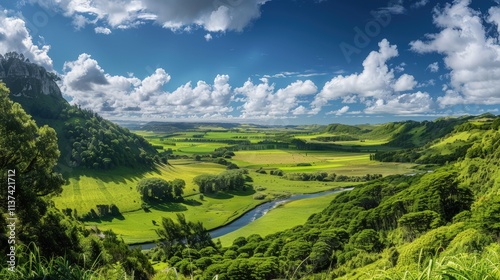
(112, 95)
(471, 55)
(433, 67)
(262, 100)
(339, 112)
(213, 16)
(15, 37)
(376, 81)
(405, 104)
(102, 30)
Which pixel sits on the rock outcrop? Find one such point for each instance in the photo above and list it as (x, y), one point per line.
(27, 79)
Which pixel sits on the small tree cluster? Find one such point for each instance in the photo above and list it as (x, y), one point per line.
(157, 189)
(330, 177)
(227, 180)
(177, 236)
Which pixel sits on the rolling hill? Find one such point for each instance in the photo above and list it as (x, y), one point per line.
(85, 139)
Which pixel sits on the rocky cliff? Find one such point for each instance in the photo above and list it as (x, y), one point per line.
(27, 79)
(32, 86)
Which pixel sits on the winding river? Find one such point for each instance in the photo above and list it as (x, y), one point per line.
(252, 215)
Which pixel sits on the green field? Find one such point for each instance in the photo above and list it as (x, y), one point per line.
(344, 163)
(213, 211)
(137, 226)
(280, 218)
(87, 188)
(84, 192)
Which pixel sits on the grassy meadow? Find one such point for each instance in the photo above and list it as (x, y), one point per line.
(87, 188)
(351, 164)
(279, 218)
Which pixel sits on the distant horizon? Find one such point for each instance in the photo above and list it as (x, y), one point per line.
(274, 123)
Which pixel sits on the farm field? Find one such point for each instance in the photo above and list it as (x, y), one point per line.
(86, 189)
(345, 163)
(279, 218)
(214, 210)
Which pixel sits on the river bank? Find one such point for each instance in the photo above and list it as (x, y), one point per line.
(252, 215)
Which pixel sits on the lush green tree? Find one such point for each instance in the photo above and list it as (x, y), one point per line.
(177, 236)
(320, 255)
(30, 153)
(157, 189)
(178, 188)
(420, 221)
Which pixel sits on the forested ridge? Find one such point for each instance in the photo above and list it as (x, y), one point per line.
(443, 223)
(84, 138)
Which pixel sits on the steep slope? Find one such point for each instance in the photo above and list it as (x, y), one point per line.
(409, 134)
(405, 134)
(84, 138)
(396, 224)
(343, 129)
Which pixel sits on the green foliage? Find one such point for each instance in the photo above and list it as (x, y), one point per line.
(461, 266)
(334, 138)
(343, 129)
(418, 222)
(99, 144)
(227, 180)
(157, 189)
(428, 245)
(177, 236)
(31, 154)
(330, 177)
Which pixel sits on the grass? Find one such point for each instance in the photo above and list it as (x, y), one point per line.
(462, 266)
(280, 218)
(118, 187)
(31, 265)
(87, 188)
(90, 188)
(276, 185)
(213, 211)
(345, 163)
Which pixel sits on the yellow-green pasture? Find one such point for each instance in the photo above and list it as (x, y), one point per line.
(283, 217)
(253, 137)
(137, 226)
(88, 188)
(449, 144)
(344, 163)
(278, 186)
(214, 210)
(310, 136)
(365, 143)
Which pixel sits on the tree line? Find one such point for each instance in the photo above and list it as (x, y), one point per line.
(330, 177)
(228, 180)
(99, 144)
(160, 190)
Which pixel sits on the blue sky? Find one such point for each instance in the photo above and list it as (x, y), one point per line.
(265, 61)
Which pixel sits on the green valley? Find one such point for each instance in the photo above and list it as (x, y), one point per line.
(421, 198)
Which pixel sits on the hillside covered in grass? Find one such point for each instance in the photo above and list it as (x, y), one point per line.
(443, 223)
(37, 240)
